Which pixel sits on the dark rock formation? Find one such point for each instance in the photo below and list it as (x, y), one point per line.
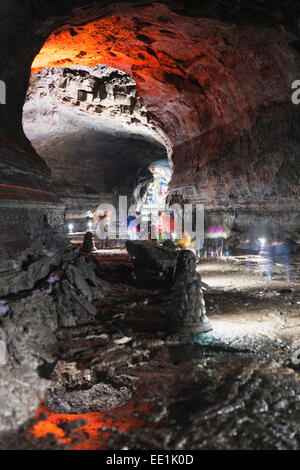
(151, 260)
(34, 269)
(187, 315)
(87, 245)
(29, 230)
(28, 329)
(236, 388)
(21, 391)
(78, 391)
(169, 244)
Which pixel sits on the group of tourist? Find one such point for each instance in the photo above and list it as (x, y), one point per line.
(217, 234)
(101, 225)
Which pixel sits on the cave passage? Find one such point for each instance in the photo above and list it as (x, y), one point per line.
(91, 128)
(156, 338)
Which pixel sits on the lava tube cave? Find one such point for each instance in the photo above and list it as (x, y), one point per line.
(150, 225)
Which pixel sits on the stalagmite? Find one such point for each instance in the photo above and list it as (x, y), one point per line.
(187, 314)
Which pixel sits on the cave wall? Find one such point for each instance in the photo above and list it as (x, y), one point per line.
(221, 93)
(215, 78)
(31, 216)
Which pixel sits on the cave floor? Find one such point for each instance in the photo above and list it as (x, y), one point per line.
(236, 387)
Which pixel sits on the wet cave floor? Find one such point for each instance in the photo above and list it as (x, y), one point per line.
(237, 387)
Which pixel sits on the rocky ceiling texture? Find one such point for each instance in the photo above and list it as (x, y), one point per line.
(222, 93)
(95, 134)
(216, 79)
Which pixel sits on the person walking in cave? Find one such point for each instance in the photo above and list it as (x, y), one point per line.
(246, 244)
(227, 222)
(134, 226)
(103, 229)
(263, 245)
(95, 220)
(279, 252)
(159, 227)
(149, 228)
(215, 236)
(138, 225)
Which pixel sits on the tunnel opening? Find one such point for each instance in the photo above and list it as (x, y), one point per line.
(90, 126)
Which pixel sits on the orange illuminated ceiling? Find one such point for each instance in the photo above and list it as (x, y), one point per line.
(193, 74)
(89, 45)
(118, 42)
(156, 50)
(155, 47)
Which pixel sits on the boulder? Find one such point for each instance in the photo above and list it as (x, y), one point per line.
(87, 246)
(29, 326)
(151, 259)
(21, 392)
(82, 391)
